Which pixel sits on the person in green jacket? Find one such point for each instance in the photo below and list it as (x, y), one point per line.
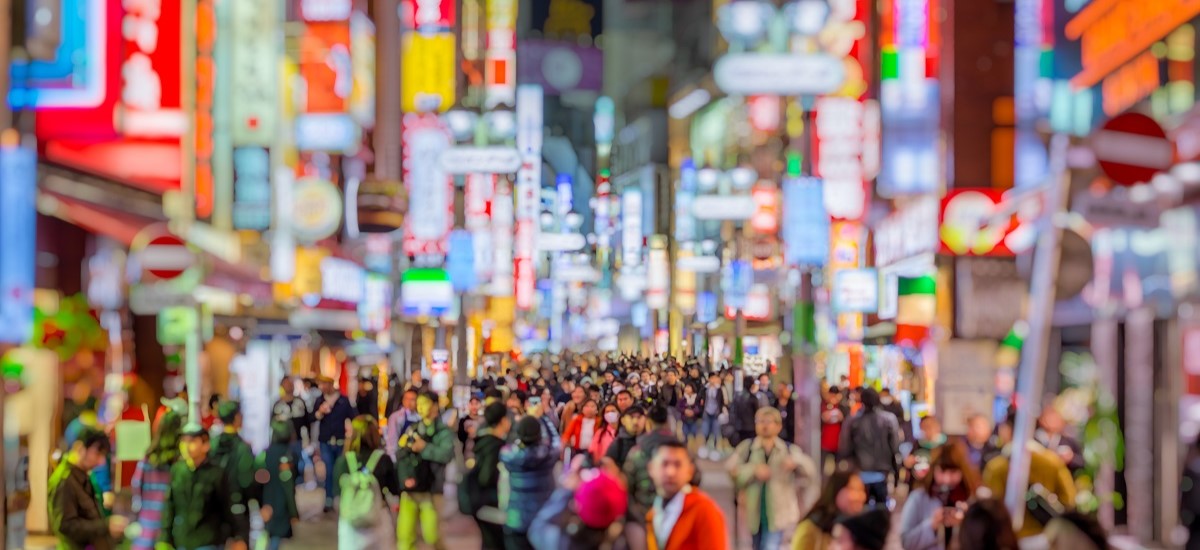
(235, 457)
(199, 502)
(421, 458)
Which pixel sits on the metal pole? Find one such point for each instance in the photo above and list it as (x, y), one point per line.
(807, 397)
(1032, 374)
(4, 348)
(460, 334)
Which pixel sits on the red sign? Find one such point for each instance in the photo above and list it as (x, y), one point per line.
(150, 70)
(206, 78)
(427, 15)
(1132, 148)
(326, 68)
(325, 10)
(969, 225)
(164, 256)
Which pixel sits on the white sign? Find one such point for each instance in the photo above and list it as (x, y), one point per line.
(576, 273)
(153, 298)
(856, 291)
(779, 74)
(1116, 211)
(658, 279)
(839, 156)
(698, 264)
(486, 160)
(560, 242)
(631, 227)
(910, 231)
(253, 72)
(342, 280)
(325, 10)
(334, 132)
(724, 207)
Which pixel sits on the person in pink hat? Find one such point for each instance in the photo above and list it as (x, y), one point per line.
(584, 513)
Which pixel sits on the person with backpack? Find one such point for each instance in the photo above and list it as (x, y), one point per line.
(479, 494)
(527, 481)
(871, 441)
(632, 424)
(282, 465)
(366, 475)
(332, 412)
(199, 510)
(421, 459)
(767, 473)
(233, 455)
(745, 404)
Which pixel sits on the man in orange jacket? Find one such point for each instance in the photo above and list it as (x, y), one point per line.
(683, 517)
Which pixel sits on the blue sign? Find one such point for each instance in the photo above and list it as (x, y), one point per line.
(74, 76)
(18, 243)
(706, 307)
(251, 188)
(805, 223)
(460, 261)
(736, 281)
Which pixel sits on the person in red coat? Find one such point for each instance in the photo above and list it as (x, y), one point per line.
(683, 516)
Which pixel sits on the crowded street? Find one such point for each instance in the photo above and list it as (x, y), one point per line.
(599, 274)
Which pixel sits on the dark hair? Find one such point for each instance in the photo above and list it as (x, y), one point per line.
(164, 449)
(229, 411)
(412, 391)
(834, 390)
(950, 456)
(364, 435)
(825, 512)
(1088, 526)
(493, 393)
(986, 525)
(672, 444)
(625, 392)
(869, 398)
(214, 400)
(281, 432)
(658, 415)
(494, 414)
(92, 437)
(524, 397)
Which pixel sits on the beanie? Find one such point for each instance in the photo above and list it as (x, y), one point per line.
(600, 500)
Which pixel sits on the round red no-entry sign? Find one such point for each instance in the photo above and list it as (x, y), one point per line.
(162, 255)
(1132, 148)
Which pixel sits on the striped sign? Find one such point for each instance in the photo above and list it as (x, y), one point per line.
(166, 257)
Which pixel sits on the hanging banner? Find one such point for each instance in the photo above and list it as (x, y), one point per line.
(151, 72)
(254, 72)
(806, 225)
(430, 190)
(18, 242)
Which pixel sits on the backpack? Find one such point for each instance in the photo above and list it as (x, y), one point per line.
(361, 494)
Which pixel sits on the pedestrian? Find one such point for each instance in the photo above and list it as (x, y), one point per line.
(332, 412)
(424, 450)
(479, 493)
(468, 426)
(1047, 473)
(833, 413)
(367, 401)
(917, 461)
(400, 420)
(607, 433)
(581, 432)
(871, 441)
(624, 399)
(937, 503)
(152, 478)
(366, 475)
(637, 475)
(209, 417)
(765, 397)
(986, 525)
(584, 513)
(529, 463)
(415, 382)
(768, 474)
(715, 406)
(632, 425)
(979, 442)
(1051, 433)
(683, 517)
(550, 408)
(744, 407)
(894, 406)
(691, 409)
(865, 531)
(670, 393)
(198, 513)
(293, 410)
(277, 468)
(842, 495)
(572, 408)
(76, 519)
(233, 455)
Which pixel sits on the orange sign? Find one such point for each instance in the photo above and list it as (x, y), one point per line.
(326, 67)
(206, 39)
(1112, 32)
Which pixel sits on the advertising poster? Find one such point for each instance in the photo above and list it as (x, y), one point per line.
(18, 211)
(430, 190)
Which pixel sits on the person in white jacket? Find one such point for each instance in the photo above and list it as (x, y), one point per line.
(769, 475)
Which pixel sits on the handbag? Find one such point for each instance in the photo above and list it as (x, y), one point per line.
(1040, 507)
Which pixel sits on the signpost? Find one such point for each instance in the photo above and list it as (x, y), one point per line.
(1132, 148)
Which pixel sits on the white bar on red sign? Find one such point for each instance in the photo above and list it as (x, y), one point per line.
(163, 257)
(326, 10)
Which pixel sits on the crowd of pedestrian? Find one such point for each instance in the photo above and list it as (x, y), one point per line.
(574, 458)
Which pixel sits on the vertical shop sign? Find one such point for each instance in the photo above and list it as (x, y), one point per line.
(150, 70)
(430, 190)
(251, 188)
(206, 72)
(500, 66)
(806, 225)
(657, 275)
(328, 74)
(502, 240)
(18, 244)
(631, 227)
(839, 156)
(362, 61)
(480, 190)
(529, 143)
(254, 73)
(428, 55)
(374, 312)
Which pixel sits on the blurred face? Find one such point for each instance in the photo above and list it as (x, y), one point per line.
(672, 377)
(409, 401)
(671, 469)
(634, 423)
(589, 410)
(1051, 421)
(427, 408)
(714, 380)
(689, 390)
(764, 381)
(578, 395)
(624, 401)
(608, 377)
(288, 387)
(978, 430)
(947, 477)
(852, 498)
(326, 387)
(1005, 433)
(195, 448)
(514, 403)
(931, 428)
(90, 458)
(473, 407)
(767, 426)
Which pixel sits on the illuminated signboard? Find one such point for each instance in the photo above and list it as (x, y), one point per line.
(969, 226)
(838, 156)
(428, 56)
(500, 66)
(426, 292)
(375, 310)
(75, 76)
(502, 240)
(529, 142)
(766, 213)
(150, 70)
(18, 194)
(806, 225)
(325, 10)
(1114, 32)
(430, 189)
(251, 188)
(254, 72)
(909, 97)
(362, 59)
(342, 280)
(631, 227)
(326, 67)
(856, 291)
(658, 276)
(206, 76)
(316, 209)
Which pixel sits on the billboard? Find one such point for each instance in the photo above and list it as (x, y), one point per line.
(430, 189)
(18, 244)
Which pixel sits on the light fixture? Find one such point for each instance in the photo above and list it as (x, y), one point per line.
(807, 17)
(461, 123)
(706, 178)
(743, 177)
(744, 21)
(501, 124)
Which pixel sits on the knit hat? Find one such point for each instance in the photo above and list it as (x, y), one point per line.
(494, 413)
(600, 500)
(529, 431)
(869, 530)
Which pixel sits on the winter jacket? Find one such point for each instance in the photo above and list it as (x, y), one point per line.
(871, 441)
(75, 517)
(810, 537)
(1190, 502)
(279, 492)
(637, 471)
(916, 523)
(745, 405)
(571, 437)
(397, 424)
(1045, 469)
(697, 408)
(700, 525)
(619, 450)
(426, 468)
(233, 455)
(199, 507)
(783, 502)
(558, 527)
(333, 425)
(485, 471)
(528, 482)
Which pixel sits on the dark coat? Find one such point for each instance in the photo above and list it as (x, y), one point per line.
(637, 471)
(619, 450)
(486, 470)
(199, 505)
(233, 455)
(279, 492)
(530, 482)
(75, 517)
(871, 441)
(295, 412)
(333, 425)
(741, 415)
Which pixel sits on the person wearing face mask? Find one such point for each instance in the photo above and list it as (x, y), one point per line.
(889, 403)
(936, 505)
(606, 434)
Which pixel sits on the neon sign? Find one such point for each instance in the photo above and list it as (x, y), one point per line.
(150, 95)
(430, 189)
(1114, 32)
(76, 76)
(206, 71)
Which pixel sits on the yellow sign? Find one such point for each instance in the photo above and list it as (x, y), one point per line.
(307, 281)
(427, 72)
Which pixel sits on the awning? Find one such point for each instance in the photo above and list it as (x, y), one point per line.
(147, 165)
(726, 328)
(119, 226)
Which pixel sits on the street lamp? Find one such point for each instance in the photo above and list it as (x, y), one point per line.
(807, 17)
(744, 21)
